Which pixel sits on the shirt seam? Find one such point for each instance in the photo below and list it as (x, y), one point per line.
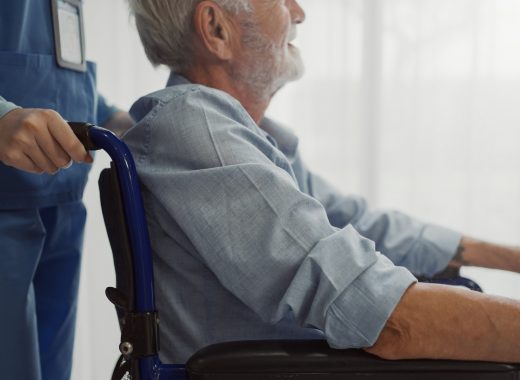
(208, 129)
(150, 119)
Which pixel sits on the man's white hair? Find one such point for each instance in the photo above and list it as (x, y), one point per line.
(166, 28)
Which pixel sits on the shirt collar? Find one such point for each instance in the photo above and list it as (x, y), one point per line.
(285, 139)
(176, 79)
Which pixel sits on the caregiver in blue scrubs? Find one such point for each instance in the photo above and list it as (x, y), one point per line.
(44, 80)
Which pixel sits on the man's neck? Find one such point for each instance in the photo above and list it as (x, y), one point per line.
(219, 78)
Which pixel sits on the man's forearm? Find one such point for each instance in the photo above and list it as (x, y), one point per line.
(481, 254)
(442, 322)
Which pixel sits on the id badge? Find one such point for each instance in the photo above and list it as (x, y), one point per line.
(69, 37)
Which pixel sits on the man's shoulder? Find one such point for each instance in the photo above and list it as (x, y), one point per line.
(187, 121)
(187, 99)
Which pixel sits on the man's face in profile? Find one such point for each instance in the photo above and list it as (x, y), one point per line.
(269, 60)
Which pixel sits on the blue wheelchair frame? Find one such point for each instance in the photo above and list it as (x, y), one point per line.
(95, 138)
(220, 358)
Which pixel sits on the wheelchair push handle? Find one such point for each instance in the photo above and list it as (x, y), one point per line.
(97, 138)
(82, 132)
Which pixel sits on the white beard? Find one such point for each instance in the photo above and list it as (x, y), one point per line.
(265, 67)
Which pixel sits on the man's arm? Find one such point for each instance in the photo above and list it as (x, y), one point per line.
(442, 322)
(424, 249)
(477, 253)
(268, 244)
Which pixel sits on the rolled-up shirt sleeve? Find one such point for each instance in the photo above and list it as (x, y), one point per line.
(221, 182)
(423, 248)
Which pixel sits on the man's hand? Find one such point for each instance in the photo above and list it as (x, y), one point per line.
(39, 141)
(477, 253)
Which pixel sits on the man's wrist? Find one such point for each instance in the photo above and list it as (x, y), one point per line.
(459, 260)
(486, 255)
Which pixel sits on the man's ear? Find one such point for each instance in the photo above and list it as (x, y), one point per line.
(215, 29)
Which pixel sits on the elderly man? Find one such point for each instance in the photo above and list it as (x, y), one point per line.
(248, 244)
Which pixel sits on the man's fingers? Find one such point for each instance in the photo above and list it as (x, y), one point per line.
(66, 138)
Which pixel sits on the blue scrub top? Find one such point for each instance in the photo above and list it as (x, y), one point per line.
(30, 78)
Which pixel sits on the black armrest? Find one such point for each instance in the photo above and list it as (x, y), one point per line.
(309, 360)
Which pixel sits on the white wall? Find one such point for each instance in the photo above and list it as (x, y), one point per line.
(412, 103)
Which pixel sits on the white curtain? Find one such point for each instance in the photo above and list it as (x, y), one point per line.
(411, 103)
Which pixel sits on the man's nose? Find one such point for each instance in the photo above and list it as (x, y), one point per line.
(297, 12)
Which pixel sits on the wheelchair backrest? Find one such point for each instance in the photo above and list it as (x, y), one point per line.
(117, 231)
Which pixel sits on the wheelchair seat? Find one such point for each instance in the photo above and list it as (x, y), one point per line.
(315, 360)
(133, 297)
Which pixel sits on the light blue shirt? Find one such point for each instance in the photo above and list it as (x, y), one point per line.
(249, 244)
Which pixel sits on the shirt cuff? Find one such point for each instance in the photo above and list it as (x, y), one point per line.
(439, 245)
(357, 317)
(6, 107)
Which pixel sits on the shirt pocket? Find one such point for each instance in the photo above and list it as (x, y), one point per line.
(36, 81)
(28, 80)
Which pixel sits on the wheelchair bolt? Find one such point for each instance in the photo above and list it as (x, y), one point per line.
(126, 348)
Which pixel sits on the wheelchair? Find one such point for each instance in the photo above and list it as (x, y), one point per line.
(133, 298)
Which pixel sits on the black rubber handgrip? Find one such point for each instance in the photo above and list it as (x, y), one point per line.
(82, 132)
